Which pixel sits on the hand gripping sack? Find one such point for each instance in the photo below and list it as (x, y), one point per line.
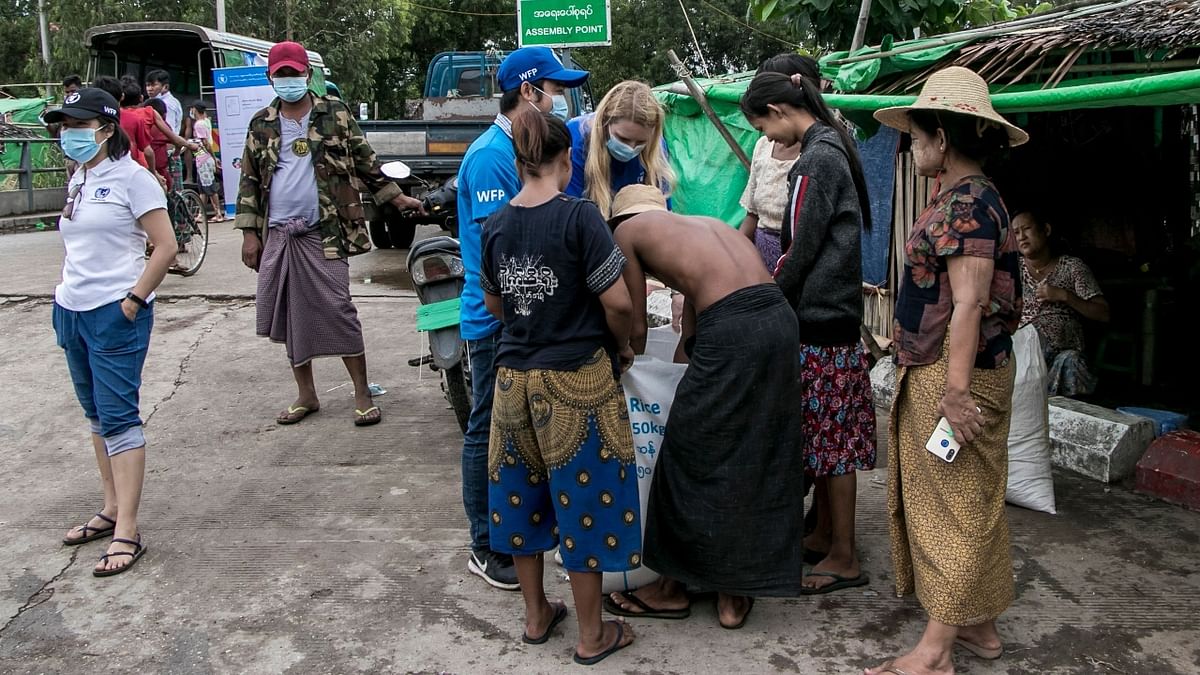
(1030, 481)
(649, 389)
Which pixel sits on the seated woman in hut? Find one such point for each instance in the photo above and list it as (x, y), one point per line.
(1059, 292)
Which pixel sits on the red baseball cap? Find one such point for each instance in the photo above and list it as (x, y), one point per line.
(287, 55)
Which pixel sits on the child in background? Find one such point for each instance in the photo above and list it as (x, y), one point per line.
(206, 161)
(561, 459)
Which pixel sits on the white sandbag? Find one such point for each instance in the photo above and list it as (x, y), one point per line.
(1030, 481)
(649, 389)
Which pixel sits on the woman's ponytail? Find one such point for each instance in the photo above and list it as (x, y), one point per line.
(538, 139)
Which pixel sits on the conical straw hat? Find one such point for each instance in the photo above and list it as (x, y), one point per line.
(955, 90)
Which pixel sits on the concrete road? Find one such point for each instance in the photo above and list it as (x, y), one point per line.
(324, 548)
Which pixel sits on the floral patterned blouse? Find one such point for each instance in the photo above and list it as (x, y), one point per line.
(1059, 326)
(966, 219)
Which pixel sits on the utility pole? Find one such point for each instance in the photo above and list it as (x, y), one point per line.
(221, 15)
(287, 6)
(44, 29)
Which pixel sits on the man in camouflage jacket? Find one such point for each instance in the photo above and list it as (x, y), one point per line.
(304, 167)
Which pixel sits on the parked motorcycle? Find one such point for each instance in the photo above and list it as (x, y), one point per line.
(437, 272)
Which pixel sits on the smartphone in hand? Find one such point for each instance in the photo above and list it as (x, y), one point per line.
(942, 443)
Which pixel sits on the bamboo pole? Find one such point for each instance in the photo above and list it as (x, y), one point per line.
(697, 93)
(860, 29)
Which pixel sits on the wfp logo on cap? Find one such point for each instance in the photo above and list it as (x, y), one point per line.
(530, 74)
(72, 98)
(110, 112)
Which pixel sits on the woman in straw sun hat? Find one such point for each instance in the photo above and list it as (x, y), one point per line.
(958, 305)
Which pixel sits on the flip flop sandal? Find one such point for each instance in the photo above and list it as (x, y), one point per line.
(617, 646)
(979, 650)
(363, 418)
(647, 612)
(560, 615)
(738, 625)
(134, 556)
(839, 583)
(294, 414)
(889, 668)
(97, 532)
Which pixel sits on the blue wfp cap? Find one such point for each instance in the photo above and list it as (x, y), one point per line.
(530, 64)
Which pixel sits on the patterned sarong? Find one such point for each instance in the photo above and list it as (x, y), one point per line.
(303, 298)
(561, 463)
(726, 506)
(948, 526)
(769, 247)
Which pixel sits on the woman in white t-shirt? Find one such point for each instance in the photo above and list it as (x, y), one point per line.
(766, 195)
(103, 309)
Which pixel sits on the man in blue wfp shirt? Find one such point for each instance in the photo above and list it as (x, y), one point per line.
(487, 180)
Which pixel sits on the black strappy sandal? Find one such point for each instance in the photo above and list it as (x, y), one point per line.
(97, 532)
(134, 556)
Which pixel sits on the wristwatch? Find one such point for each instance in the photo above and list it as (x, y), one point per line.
(138, 301)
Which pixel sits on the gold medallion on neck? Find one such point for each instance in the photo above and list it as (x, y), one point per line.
(300, 147)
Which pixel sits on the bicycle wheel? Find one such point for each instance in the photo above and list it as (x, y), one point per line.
(191, 234)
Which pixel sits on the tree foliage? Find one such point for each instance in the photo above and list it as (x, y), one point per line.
(829, 24)
(643, 31)
(378, 50)
(353, 37)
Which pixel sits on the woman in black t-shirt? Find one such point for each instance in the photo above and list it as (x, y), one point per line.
(561, 460)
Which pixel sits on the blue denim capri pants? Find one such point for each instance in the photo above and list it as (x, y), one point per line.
(105, 353)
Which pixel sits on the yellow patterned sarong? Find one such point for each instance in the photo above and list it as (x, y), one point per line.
(950, 541)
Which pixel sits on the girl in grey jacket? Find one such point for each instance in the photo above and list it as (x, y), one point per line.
(820, 273)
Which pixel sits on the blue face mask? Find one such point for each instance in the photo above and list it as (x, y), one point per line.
(559, 103)
(622, 152)
(290, 89)
(560, 109)
(79, 144)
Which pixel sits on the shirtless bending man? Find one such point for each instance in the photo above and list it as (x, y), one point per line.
(724, 512)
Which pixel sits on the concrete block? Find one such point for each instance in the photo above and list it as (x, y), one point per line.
(1170, 469)
(1097, 442)
(16, 202)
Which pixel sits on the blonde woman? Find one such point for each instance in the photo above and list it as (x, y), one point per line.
(620, 144)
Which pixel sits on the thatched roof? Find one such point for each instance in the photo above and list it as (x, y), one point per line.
(1134, 35)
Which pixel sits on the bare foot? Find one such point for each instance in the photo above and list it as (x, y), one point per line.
(818, 541)
(608, 640)
(94, 526)
(112, 562)
(663, 594)
(363, 401)
(847, 568)
(733, 609)
(299, 410)
(984, 635)
(538, 623)
(911, 664)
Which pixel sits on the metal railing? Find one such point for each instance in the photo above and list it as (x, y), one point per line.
(25, 172)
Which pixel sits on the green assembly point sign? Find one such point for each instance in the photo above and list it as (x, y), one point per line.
(563, 23)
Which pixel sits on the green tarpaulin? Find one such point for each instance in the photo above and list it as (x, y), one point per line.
(711, 179)
(24, 113)
(860, 75)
